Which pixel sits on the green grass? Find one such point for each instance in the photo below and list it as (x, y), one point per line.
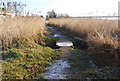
(49, 40)
(82, 68)
(27, 63)
(79, 58)
(80, 65)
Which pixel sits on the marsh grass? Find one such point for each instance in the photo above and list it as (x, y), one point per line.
(100, 34)
(87, 26)
(20, 28)
(82, 68)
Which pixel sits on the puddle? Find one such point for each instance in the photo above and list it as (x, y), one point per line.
(64, 40)
(58, 35)
(49, 27)
(78, 38)
(56, 71)
(64, 43)
(61, 68)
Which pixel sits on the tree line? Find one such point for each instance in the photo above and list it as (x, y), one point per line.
(52, 14)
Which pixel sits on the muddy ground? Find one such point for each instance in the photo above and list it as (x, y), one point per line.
(75, 62)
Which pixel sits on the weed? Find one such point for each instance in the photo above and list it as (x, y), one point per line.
(28, 63)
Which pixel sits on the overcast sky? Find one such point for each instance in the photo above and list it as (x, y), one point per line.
(74, 7)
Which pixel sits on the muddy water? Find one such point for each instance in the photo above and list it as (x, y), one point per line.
(58, 69)
(61, 69)
(63, 39)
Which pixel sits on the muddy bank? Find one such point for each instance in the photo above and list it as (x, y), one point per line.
(61, 68)
(58, 70)
(78, 42)
(106, 50)
(82, 66)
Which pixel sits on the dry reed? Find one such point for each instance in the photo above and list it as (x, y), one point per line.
(102, 35)
(98, 30)
(21, 27)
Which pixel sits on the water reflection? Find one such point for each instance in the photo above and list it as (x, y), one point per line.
(64, 43)
(58, 35)
(56, 71)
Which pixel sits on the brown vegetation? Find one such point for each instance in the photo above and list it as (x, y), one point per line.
(15, 29)
(100, 34)
(23, 56)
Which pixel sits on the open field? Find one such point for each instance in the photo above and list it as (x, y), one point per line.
(102, 35)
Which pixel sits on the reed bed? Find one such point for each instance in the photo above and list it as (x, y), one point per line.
(102, 35)
(20, 27)
(91, 28)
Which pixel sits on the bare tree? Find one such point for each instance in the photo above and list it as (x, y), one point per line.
(12, 7)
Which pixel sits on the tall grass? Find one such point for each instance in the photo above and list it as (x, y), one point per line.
(20, 27)
(23, 55)
(93, 29)
(100, 34)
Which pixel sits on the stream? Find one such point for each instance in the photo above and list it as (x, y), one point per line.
(61, 69)
(58, 69)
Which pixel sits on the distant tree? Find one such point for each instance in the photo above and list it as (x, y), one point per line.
(12, 6)
(51, 14)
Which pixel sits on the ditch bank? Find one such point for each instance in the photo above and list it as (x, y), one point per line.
(105, 48)
(78, 42)
(27, 58)
(61, 69)
(91, 69)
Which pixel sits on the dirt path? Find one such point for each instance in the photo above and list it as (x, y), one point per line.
(61, 68)
(73, 63)
(65, 52)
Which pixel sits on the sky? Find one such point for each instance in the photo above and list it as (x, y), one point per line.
(74, 7)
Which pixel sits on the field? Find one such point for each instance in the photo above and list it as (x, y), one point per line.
(26, 42)
(102, 36)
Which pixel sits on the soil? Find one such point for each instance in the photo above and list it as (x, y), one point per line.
(76, 64)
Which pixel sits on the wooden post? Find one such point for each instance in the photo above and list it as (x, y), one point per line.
(4, 9)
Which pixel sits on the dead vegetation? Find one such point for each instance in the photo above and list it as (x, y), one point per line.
(23, 53)
(21, 29)
(102, 35)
